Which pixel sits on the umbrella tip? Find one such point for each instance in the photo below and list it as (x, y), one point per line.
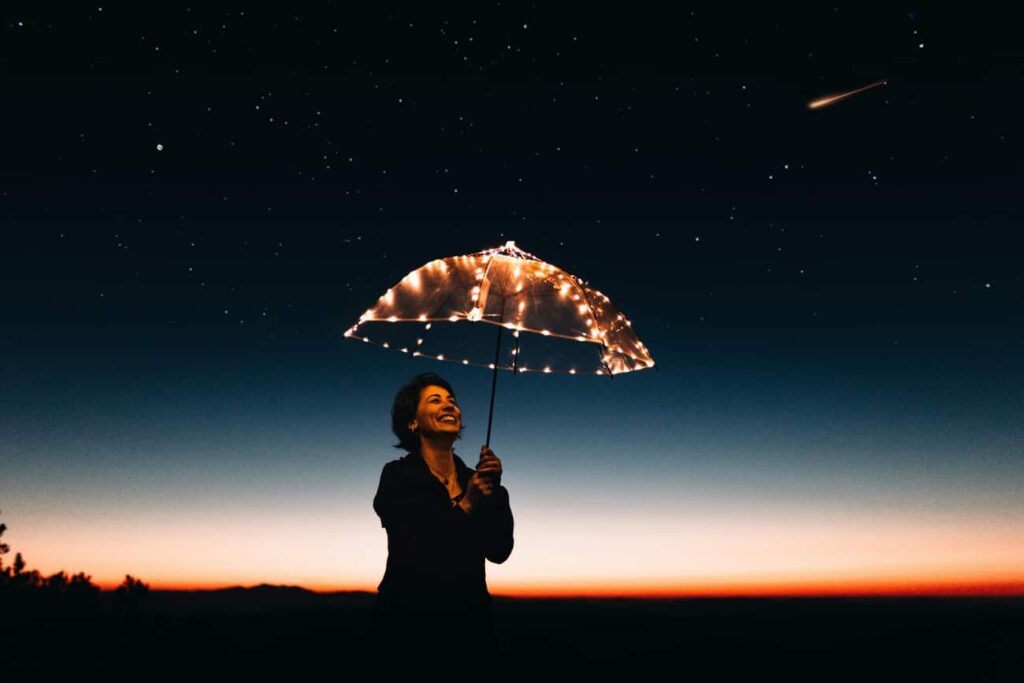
(510, 244)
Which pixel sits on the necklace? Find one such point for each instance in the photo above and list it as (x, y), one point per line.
(451, 483)
(442, 477)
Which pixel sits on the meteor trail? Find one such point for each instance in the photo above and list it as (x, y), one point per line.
(832, 99)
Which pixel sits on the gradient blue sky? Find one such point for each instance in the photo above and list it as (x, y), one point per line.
(832, 296)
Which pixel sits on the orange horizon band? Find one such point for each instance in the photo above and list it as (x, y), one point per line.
(863, 589)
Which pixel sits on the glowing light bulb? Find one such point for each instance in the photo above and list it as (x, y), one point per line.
(393, 318)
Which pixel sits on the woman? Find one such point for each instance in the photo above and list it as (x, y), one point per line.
(443, 520)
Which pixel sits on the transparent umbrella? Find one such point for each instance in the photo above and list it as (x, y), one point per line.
(436, 312)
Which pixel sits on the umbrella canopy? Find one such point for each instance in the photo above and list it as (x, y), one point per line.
(432, 312)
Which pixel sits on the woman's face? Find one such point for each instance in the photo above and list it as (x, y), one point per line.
(437, 413)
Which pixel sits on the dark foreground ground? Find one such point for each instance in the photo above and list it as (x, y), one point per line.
(293, 632)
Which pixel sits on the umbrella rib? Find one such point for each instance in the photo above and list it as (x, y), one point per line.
(604, 345)
(483, 308)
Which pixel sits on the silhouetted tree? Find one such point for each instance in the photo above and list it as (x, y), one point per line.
(56, 583)
(77, 591)
(4, 549)
(29, 579)
(134, 586)
(128, 597)
(82, 582)
(21, 578)
(19, 564)
(81, 593)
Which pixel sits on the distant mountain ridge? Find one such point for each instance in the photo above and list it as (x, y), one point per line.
(260, 598)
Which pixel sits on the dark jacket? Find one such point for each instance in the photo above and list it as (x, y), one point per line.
(436, 551)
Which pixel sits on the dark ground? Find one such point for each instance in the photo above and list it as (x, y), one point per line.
(293, 632)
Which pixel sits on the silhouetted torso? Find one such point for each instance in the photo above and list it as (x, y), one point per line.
(434, 591)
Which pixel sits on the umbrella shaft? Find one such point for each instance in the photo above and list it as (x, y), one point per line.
(494, 385)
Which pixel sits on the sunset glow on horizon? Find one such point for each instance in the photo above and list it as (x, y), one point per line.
(577, 551)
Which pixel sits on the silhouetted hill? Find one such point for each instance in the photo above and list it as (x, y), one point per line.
(261, 598)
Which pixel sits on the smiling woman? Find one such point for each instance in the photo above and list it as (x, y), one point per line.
(443, 520)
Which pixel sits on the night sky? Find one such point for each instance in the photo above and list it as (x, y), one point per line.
(197, 203)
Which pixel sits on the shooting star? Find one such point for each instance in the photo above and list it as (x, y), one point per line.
(832, 99)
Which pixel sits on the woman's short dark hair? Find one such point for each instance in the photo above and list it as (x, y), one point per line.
(407, 400)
